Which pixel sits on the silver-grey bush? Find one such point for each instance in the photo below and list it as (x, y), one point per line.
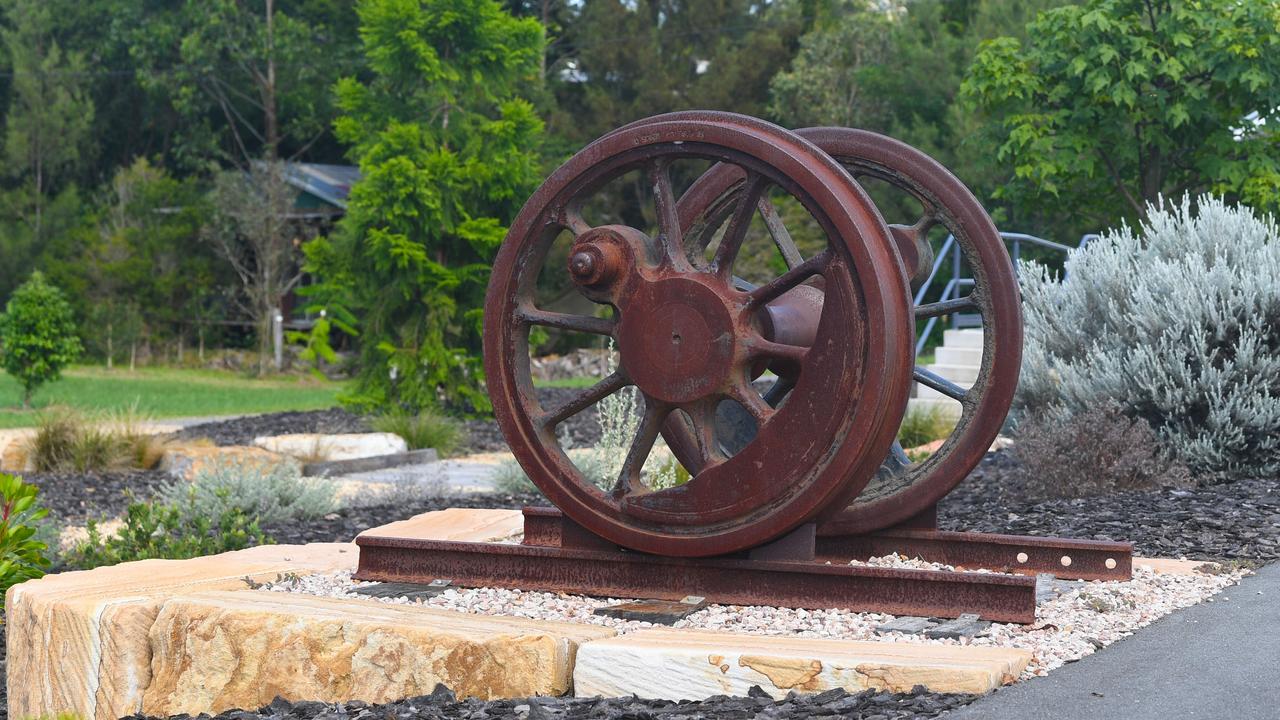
(1179, 323)
(270, 492)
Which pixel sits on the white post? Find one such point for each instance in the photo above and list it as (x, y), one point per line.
(277, 338)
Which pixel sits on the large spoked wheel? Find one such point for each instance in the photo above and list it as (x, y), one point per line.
(901, 488)
(690, 339)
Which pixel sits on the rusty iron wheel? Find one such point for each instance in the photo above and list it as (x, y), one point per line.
(903, 489)
(690, 338)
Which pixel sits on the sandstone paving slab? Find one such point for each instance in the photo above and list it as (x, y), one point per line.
(1214, 660)
(459, 524)
(221, 650)
(692, 665)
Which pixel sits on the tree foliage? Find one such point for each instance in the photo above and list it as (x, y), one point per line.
(1109, 105)
(448, 153)
(37, 335)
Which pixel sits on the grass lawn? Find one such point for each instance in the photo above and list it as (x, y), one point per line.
(168, 392)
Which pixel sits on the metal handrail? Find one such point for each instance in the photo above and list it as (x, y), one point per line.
(951, 251)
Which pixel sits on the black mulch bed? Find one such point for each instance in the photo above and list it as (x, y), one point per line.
(73, 497)
(582, 430)
(345, 523)
(866, 705)
(1239, 520)
(242, 431)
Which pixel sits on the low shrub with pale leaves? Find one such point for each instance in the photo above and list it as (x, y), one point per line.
(270, 493)
(1178, 323)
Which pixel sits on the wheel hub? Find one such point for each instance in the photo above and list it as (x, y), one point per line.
(679, 343)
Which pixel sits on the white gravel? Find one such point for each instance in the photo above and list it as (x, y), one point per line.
(1067, 628)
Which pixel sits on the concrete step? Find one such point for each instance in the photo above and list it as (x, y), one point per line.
(959, 374)
(958, 356)
(970, 338)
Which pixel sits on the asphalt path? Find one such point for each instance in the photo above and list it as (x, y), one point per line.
(1216, 660)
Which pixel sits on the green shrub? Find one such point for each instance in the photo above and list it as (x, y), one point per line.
(169, 531)
(425, 429)
(1178, 323)
(268, 493)
(37, 335)
(21, 554)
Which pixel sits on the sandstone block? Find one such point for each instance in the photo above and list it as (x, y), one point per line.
(221, 650)
(184, 461)
(312, 447)
(693, 665)
(78, 642)
(459, 524)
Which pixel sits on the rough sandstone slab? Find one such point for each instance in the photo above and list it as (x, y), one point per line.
(78, 641)
(693, 665)
(314, 447)
(222, 650)
(184, 461)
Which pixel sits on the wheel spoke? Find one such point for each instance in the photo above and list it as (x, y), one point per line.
(704, 426)
(771, 290)
(760, 347)
(570, 218)
(778, 231)
(629, 481)
(916, 233)
(664, 204)
(946, 307)
(592, 395)
(937, 382)
(564, 321)
(739, 223)
(751, 400)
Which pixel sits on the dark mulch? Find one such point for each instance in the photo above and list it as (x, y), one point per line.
(242, 431)
(483, 435)
(865, 705)
(73, 497)
(345, 523)
(1238, 520)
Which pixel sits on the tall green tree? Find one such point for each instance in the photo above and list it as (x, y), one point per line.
(249, 78)
(1110, 105)
(50, 114)
(448, 152)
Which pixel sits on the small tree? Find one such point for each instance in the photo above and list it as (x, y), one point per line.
(37, 335)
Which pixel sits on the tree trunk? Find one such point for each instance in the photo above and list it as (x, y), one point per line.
(270, 119)
(133, 355)
(110, 348)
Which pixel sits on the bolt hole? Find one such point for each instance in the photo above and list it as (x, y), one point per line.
(1022, 557)
(1111, 563)
(1066, 561)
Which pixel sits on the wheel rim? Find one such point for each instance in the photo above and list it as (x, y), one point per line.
(663, 301)
(901, 488)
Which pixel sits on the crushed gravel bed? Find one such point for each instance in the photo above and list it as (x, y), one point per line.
(866, 705)
(1238, 520)
(1072, 625)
